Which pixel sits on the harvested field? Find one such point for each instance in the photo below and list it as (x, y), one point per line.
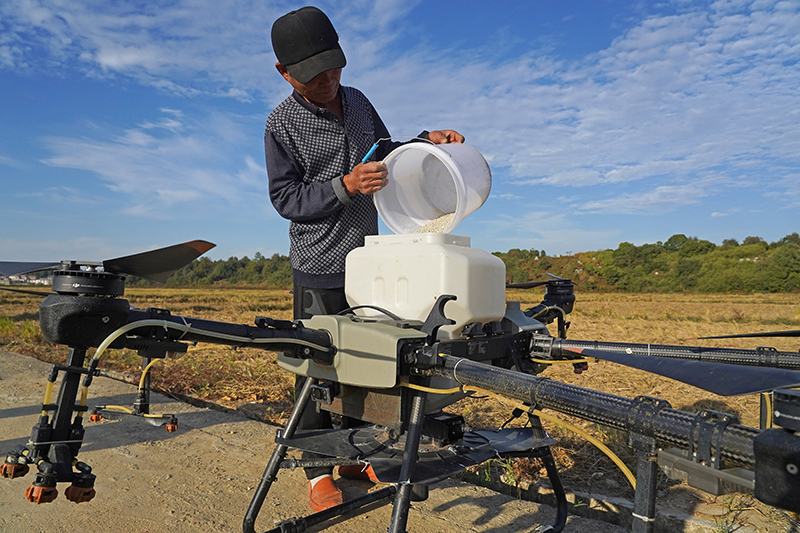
(251, 381)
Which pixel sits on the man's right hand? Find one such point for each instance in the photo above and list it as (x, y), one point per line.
(366, 178)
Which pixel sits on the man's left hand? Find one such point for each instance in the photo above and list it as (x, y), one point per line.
(445, 137)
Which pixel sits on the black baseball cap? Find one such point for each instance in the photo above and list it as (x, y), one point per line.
(306, 43)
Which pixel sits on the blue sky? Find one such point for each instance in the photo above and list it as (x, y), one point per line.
(127, 126)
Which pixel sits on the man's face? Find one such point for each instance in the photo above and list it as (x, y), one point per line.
(319, 91)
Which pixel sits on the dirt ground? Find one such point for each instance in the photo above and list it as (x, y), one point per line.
(202, 477)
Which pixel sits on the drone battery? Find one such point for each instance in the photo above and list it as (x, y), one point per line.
(366, 351)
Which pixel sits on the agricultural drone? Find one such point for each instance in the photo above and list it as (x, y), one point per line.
(399, 374)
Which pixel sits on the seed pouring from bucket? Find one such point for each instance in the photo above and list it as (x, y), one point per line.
(428, 183)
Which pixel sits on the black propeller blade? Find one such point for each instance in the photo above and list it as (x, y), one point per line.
(25, 291)
(158, 265)
(526, 284)
(789, 333)
(532, 284)
(12, 268)
(717, 378)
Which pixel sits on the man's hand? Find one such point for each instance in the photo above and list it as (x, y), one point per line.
(366, 178)
(445, 137)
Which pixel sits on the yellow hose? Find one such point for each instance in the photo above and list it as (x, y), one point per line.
(405, 383)
(84, 395)
(144, 373)
(129, 411)
(602, 447)
(118, 408)
(551, 418)
(48, 393)
(558, 361)
(575, 429)
(767, 397)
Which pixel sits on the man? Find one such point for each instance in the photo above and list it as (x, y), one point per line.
(314, 143)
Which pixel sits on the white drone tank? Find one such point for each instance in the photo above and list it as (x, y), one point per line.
(406, 273)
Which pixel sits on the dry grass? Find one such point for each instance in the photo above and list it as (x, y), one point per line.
(220, 374)
(248, 377)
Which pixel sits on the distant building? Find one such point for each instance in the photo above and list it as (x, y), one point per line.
(25, 279)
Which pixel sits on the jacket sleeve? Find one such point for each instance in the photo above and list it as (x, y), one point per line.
(293, 198)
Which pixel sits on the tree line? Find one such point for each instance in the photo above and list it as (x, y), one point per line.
(680, 264)
(268, 272)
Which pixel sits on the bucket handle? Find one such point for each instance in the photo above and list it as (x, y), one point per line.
(375, 146)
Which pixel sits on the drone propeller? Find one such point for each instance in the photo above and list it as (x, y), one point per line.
(526, 284)
(717, 378)
(25, 291)
(155, 265)
(532, 284)
(12, 268)
(789, 333)
(158, 265)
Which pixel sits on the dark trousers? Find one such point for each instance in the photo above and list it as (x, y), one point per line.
(307, 303)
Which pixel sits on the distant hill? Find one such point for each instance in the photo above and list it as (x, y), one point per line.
(679, 264)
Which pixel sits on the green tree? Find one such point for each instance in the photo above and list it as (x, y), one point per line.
(793, 238)
(676, 242)
(782, 272)
(752, 240)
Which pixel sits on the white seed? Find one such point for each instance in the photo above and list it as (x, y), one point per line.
(437, 225)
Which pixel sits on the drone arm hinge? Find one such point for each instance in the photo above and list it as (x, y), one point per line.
(706, 435)
(264, 322)
(155, 347)
(425, 357)
(640, 423)
(767, 356)
(550, 344)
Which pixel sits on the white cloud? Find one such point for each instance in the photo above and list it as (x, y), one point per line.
(705, 90)
(162, 164)
(63, 194)
(548, 230)
(660, 199)
(10, 162)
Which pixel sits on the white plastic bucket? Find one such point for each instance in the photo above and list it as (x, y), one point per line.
(429, 181)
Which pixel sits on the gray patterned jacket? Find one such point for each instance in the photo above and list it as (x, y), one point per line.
(308, 151)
